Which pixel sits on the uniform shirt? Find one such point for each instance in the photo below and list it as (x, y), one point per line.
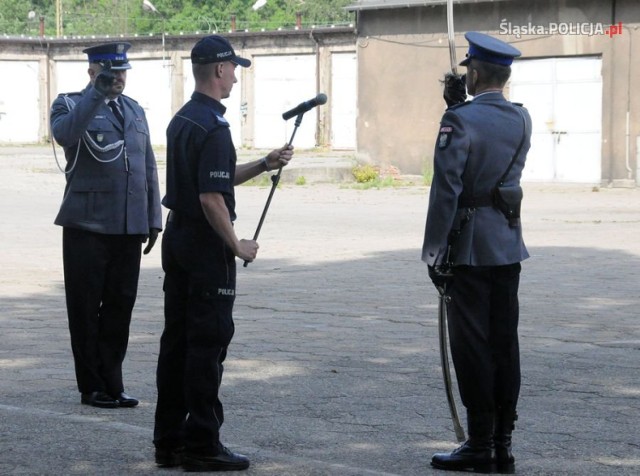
(475, 145)
(201, 157)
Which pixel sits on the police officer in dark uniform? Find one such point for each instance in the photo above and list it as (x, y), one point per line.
(474, 250)
(198, 256)
(111, 205)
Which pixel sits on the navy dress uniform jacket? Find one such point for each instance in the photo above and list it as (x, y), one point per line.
(102, 195)
(476, 143)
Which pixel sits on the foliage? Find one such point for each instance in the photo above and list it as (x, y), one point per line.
(365, 173)
(301, 180)
(127, 17)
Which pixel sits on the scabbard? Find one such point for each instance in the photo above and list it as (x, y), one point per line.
(446, 372)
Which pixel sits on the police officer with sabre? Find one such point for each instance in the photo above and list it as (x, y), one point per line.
(473, 247)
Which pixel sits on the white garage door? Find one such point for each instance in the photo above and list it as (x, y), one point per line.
(281, 83)
(149, 83)
(564, 97)
(19, 113)
(343, 100)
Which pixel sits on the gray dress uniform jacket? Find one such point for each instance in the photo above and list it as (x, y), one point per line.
(112, 178)
(476, 143)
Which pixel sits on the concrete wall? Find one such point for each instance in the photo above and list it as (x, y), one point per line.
(403, 52)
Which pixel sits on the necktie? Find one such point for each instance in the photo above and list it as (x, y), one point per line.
(116, 112)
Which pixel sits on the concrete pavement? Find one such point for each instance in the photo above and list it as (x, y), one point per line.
(334, 368)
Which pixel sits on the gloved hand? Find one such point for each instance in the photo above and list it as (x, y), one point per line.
(153, 236)
(104, 81)
(455, 90)
(440, 276)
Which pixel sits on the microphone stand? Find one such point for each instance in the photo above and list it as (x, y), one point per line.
(275, 179)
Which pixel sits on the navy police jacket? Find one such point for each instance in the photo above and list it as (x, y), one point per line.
(112, 179)
(475, 145)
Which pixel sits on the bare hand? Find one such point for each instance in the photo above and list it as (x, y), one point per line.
(279, 157)
(247, 250)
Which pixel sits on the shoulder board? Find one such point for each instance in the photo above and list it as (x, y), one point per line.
(221, 120)
(457, 106)
(129, 98)
(519, 104)
(78, 93)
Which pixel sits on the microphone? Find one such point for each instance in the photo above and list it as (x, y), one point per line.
(305, 106)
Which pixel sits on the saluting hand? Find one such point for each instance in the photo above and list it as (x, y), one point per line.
(455, 90)
(104, 81)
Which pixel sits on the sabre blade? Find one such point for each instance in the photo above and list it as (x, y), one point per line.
(452, 38)
(446, 372)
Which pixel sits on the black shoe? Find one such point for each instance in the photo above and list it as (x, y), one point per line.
(99, 399)
(169, 457)
(225, 460)
(125, 400)
(468, 457)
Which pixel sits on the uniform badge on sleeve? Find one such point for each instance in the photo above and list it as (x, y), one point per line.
(444, 139)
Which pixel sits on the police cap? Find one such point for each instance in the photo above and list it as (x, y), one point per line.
(489, 49)
(216, 49)
(116, 53)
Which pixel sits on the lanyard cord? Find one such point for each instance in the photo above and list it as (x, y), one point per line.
(89, 144)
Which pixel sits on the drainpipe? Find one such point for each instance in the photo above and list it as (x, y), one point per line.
(638, 161)
(628, 126)
(319, 129)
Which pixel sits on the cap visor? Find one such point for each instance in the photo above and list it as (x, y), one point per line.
(241, 61)
(465, 62)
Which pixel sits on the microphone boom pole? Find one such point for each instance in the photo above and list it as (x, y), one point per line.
(275, 179)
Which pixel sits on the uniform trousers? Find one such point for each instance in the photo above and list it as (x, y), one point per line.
(101, 283)
(483, 318)
(199, 292)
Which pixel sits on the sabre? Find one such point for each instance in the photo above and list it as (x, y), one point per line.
(451, 33)
(444, 358)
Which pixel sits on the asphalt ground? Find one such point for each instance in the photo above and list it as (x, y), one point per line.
(334, 368)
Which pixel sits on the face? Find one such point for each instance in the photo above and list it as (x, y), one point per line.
(227, 73)
(118, 84)
(471, 79)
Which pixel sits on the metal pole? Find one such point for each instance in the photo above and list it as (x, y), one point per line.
(275, 179)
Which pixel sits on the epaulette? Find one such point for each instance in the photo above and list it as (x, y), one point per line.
(220, 120)
(518, 104)
(459, 105)
(78, 93)
(129, 97)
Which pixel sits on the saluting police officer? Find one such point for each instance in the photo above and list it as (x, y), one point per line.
(111, 205)
(199, 248)
(474, 250)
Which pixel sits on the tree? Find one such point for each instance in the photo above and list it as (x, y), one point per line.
(115, 17)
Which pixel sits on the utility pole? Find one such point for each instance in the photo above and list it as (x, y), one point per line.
(59, 18)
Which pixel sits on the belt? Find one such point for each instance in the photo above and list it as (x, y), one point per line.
(475, 202)
(179, 219)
